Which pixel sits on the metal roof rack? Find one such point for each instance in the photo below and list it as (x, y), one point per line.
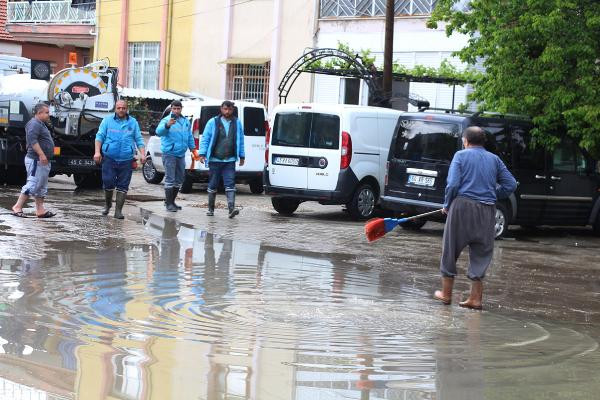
(446, 110)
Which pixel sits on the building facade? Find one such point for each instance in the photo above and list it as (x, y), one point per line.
(361, 25)
(232, 49)
(59, 31)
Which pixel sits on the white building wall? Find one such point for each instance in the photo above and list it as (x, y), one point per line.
(414, 44)
(10, 49)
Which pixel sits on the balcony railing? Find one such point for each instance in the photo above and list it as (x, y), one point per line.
(49, 12)
(374, 8)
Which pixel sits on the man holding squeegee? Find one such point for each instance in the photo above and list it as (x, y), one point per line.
(476, 179)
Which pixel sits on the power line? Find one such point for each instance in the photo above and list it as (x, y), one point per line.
(174, 2)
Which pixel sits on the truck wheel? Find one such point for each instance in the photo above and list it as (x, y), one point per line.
(256, 187)
(502, 220)
(88, 181)
(362, 205)
(413, 225)
(284, 206)
(151, 175)
(187, 185)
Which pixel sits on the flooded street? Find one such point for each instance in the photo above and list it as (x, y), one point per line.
(267, 307)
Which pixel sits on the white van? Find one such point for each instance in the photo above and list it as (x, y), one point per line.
(11, 65)
(253, 117)
(330, 153)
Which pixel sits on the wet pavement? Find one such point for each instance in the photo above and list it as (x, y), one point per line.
(268, 307)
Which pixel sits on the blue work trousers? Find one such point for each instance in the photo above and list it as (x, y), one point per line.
(116, 174)
(218, 170)
(174, 170)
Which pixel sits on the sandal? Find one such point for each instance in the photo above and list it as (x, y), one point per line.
(19, 214)
(47, 214)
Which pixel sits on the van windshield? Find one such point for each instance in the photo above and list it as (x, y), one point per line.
(302, 129)
(426, 141)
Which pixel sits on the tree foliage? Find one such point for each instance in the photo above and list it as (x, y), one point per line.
(542, 59)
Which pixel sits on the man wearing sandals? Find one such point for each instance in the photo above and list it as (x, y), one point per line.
(476, 179)
(40, 149)
(116, 141)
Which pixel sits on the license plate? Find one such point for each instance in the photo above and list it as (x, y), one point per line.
(294, 162)
(81, 162)
(421, 180)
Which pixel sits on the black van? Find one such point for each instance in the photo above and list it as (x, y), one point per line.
(560, 187)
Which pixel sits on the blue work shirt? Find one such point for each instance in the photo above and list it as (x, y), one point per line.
(119, 137)
(177, 139)
(210, 135)
(479, 175)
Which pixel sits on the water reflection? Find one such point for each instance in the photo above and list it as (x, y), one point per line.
(196, 316)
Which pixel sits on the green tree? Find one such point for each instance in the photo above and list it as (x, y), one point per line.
(542, 59)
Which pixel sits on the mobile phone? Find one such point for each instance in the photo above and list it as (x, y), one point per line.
(173, 116)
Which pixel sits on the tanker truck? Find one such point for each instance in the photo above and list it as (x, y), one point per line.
(78, 98)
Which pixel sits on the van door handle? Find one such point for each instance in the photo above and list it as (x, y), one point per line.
(540, 177)
(555, 178)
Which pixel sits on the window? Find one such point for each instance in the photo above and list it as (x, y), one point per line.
(248, 82)
(376, 8)
(524, 157)
(568, 158)
(497, 140)
(144, 65)
(321, 131)
(426, 141)
(351, 91)
(254, 121)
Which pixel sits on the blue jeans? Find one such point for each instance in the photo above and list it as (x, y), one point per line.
(116, 174)
(174, 170)
(218, 170)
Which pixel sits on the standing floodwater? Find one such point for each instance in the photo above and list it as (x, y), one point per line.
(185, 314)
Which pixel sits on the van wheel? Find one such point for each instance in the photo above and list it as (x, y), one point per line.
(502, 220)
(362, 205)
(413, 225)
(284, 206)
(151, 175)
(256, 187)
(187, 185)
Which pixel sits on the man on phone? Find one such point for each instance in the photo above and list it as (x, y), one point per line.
(116, 140)
(176, 138)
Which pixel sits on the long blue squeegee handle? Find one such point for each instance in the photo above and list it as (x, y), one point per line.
(402, 220)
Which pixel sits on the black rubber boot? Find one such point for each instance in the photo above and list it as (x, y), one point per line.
(119, 202)
(108, 195)
(175, 193)
(169, 200)
(231, 203)
(212, 197)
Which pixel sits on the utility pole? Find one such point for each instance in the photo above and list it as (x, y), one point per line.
(388, 49)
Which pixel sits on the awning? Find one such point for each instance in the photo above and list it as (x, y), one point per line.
(241, 60)
(149, 94)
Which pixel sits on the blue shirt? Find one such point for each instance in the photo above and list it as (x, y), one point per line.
(479, 175)
(177, 139)
(119, 137)
(210, 134)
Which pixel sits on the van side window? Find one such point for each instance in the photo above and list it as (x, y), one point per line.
(208, 112)
(524, 157)
(568, 158)
(498, 141)
(254, 121)
(426, 141)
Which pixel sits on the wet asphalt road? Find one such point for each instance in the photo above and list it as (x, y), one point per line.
(270, 307)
